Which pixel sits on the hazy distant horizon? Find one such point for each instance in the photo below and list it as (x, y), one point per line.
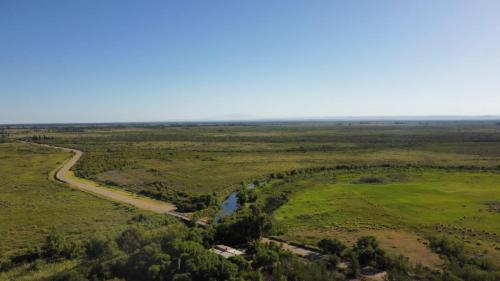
(428, 118)
(117, 61)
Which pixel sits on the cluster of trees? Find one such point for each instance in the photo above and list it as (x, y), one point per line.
(277, 264)
(273, 202)
(248, 224)
(41, 137)
(175, 253)
(369, 180)
(294, 172)
(3, 135)
(183, 201)
(246, 195)
(366, 252)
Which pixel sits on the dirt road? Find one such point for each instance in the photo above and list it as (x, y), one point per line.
(144, 203)
(105, 192)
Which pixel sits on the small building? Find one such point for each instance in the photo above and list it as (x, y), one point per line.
(226, 251)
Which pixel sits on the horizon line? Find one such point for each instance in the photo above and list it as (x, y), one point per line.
(357, 118)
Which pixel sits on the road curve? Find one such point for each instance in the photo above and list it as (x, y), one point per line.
(107, 193)
(142, 202)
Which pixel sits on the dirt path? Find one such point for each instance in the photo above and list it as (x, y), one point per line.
(105, 192)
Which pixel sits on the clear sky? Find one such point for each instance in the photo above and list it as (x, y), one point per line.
(116, 60)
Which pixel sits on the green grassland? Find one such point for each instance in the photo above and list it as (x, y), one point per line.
(39, 271)
(216, 158)
(398, 202)
(32, 205)
(437, 176)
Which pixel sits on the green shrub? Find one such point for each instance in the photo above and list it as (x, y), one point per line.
(56, 247)
(97, 248)
(130, 240)
(449, 247)
(369, 252)
(332, 246)
(370, 180)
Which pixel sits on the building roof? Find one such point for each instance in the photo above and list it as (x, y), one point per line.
(226, 251)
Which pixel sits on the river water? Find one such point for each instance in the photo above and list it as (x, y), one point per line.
(230, 205)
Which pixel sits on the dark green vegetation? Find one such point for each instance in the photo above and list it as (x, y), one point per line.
(247, 225)
(154, 249)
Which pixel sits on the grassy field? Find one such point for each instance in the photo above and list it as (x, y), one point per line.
(32, 205)
(39, 271)
(398, 205)
(206, 159)
(438, 176)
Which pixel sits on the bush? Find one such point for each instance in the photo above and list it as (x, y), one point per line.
(332, 261)
(369, 253)
(354, 269)
(130, 240)
(274, 202)
(56, 247)
(370, 180)
(97, 248)
(149, 263)
(246, 196)
(399, 269)
(449, 247)
(332, 246)
(183, 201)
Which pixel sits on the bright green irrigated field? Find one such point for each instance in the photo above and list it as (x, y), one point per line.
(399, 203)
(31, 205)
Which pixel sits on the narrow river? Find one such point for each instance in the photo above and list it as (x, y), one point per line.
(230, 205)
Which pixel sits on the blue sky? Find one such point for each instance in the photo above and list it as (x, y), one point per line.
(102, 61)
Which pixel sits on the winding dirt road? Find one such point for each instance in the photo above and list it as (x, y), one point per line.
(144, 203)
(105, 192)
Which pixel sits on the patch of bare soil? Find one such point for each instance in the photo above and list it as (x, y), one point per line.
(493, 206)
(395, 242)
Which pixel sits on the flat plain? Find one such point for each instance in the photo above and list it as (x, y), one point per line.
(399, 181)
(217, 157)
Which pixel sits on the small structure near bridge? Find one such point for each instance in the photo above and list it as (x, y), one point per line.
(226, 251)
